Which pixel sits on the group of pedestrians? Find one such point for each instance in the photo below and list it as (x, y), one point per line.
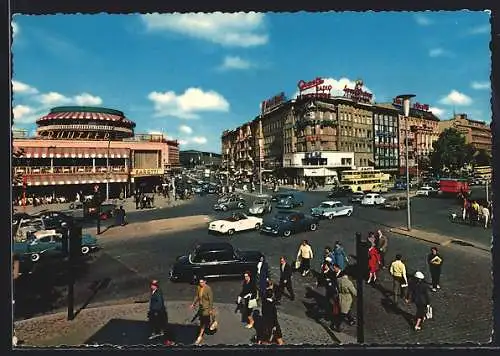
(474, 213)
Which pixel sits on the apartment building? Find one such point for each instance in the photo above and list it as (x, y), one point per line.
(476, 132)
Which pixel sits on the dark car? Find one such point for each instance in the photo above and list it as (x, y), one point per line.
(290, 200)
(338, 192)
(212, 189)
(286, 223)
(214, 260)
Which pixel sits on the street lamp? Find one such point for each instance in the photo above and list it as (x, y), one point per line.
(406, 111)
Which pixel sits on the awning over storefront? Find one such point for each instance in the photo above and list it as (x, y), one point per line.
(66, 179)
(74, 152)
(319, 172)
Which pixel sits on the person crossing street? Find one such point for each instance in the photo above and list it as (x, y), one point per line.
(435, 262)
(285, 280)
(399, 278)
(305, 255)
(157, 314)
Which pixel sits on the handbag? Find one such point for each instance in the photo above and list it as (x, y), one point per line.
(297, 264)
(213, 322)
(428, 313)
(336, 307)
(252, 303)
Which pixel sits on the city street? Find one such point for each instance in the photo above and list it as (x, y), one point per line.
(125, 265)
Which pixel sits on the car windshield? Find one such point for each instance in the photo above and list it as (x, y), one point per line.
(282, 217)
(325, 205)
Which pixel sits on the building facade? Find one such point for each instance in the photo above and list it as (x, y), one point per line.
(194, 159)
(477, 133)
(386, 138)
(76, 148)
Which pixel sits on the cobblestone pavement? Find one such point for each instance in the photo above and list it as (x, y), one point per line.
(466, 278)
(126, 325)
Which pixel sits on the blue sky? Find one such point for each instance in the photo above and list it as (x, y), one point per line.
(193, 75)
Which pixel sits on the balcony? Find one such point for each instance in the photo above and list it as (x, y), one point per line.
(38, 170)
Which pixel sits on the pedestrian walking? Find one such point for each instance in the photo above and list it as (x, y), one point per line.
(285, 280)
(328, 255)
(373, 263)
(271, 329)
(419, 295)
(305, 255)
(262, 276)
(399, 278)
(339, 255)
(347, 292)
(120, 216)
(435, 261)
(486, 216)
(247, 299)
(205, 300)
(328, 279)
(157, 314)
(382, 247)
(371, 238)
(465, 208)
(137, 198)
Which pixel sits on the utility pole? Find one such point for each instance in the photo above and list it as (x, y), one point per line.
(360, 279)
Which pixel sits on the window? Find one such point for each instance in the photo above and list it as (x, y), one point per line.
(225, 255)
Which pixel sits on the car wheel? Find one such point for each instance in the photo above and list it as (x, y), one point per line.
(349, 212)
(257, 226)
(330, 217)
(287, 233)
(85, 250)
(224, 208)
(241, 205)
(313, 227)
(230, 232)
(35, 257)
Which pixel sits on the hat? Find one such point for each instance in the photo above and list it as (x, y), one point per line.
(419, 275)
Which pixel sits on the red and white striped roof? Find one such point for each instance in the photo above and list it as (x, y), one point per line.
(66, 179)
(76, 115)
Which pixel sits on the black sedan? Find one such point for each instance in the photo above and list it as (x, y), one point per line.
(338, 192)
(214, 260)
(286, 223)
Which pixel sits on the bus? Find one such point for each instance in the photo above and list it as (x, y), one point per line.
(482, 173)
(366, 179)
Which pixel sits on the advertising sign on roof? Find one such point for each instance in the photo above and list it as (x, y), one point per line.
(269, 104)
(358, 94)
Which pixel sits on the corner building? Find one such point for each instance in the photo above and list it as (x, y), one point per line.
(477, 133)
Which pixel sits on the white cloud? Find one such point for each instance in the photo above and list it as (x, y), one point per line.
(337, 87)
(21, 111)
(183, 142)
(228, 29)
(456, 98)
(481, 85)
(439, 52)
(87, 99)
(15, 29)
(235, 62)
(186, 106)
(22, 88)
(480, 30)
(200, 140)
(53, 98)
(185, 129)
(437, 111)
(422, 20)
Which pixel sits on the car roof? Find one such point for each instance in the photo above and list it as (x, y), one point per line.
(371, 194)
(42, 233)
(331, 202)
(213, 246)
(358, 193)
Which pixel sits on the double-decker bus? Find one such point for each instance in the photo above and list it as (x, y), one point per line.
(482, 173)
(366, 179)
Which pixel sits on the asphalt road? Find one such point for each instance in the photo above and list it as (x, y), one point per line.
(123, 268)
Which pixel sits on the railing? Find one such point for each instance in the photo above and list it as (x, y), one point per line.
(69, 170)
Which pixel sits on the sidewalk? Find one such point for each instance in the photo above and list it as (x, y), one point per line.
(437, 239)
(127, 325)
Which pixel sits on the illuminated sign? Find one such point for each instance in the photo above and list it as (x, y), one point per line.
(268, 105)
(147, 171)
(321, 89)
(357, 94)
(416, 106)
(76, 135)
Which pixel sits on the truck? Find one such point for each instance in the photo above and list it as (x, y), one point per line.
(453, 187)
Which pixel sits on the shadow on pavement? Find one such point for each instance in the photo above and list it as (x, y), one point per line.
(389, 306)
(318, 310)
(95, 287)
(136, 332)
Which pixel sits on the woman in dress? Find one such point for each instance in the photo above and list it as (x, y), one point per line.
(373, 262)
(246, 298)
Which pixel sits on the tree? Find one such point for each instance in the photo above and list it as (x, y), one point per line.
(451, 151)
(482, 158)
(424, 163)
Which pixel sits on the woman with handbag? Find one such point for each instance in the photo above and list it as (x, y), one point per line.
(248, 299)
(420, 296)
(205, 300)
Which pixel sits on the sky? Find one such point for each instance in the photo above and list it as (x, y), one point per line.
(190, 76)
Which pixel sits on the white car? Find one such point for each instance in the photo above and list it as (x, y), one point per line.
(236, 222)
(426, 191)
(373, 199)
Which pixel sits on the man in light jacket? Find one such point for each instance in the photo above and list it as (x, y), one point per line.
(399, 279)
(347, 292)
(305, 255)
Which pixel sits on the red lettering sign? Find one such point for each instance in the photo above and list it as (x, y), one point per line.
(357, 94)
(268, 105)
(303, 85)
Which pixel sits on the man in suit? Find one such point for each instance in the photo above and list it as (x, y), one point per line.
(157, 313)
(285, 280)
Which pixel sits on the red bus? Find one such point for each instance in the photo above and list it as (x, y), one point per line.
(455, 187)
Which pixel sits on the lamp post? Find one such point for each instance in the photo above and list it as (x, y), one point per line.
(406, 111)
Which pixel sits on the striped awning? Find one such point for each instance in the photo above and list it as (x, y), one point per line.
(67, 179)
(91, 116)
(74, 152)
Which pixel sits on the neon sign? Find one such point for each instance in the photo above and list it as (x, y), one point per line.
(321, 89)
(270, 104)
(416, 106)
(358, 94)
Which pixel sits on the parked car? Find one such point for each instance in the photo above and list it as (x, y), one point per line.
(260, 206)
(356, 197)
(286, 223)
(230, 204)
(27, 226)
(395, 203)
(214, 260)
(226, 196)
(235, 223)
(373, 199)
(212, 189)
(330, 209)
(290, 200)
(342, 191)
(426, 191)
